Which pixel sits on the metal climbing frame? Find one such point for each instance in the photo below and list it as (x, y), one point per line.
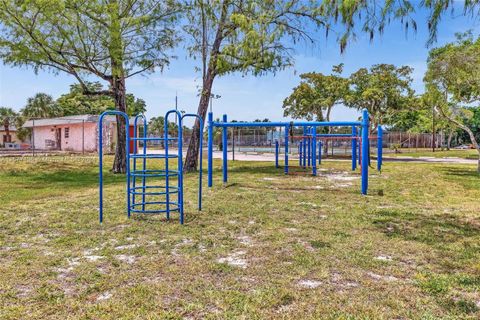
(152, 196)
(308, 144)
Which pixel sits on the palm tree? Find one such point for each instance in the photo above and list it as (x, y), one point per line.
(41, 105)
(7, 117)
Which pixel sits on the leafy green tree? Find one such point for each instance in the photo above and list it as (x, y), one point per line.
(372, 17)
(383, 90)
(110, 40)
(7, 118)
(76, 102)
(316, 95)
(156, 126)
(453, 82)
(244, 36)
(420, 116)
(41, 105)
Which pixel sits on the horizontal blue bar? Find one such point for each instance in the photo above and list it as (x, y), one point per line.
(154, 187)
(141, 191)
(153, 211)
(154, 139)
(171, 173)
(284, 124)
(154, 193)
(326, 135)
(153, 202)
(250, 124)
(153, 156)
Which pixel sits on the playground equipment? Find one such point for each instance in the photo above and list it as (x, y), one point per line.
(308, 144)
(155, 198)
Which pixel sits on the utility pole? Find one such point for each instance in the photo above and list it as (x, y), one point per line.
(176, 106)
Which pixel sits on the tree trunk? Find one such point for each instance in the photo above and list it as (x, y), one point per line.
(120, 164)
(449, 139)
(117, 82)
(191, 160)
(468, 130)
(329, 130)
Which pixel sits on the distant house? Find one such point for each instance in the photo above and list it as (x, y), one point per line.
(73, 133)
(11, 137)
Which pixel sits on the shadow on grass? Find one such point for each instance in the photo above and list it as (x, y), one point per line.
(468, 178)
(63, 178)
(435, 230)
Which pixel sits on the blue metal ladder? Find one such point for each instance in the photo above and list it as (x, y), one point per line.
(147, 197)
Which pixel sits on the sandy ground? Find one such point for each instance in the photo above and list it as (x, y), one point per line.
(253, 156)
(271, 157)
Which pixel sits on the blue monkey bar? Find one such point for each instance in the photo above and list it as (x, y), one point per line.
(155, 198)
(308, 145)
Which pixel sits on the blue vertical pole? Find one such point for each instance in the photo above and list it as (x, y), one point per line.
(287, 130)
(354, 148)
(314, 151)
(224, 149)
(144, 188)
(167, 172)
(359, 142)
(134, 151)
(304, 145)
(365, 125)
(210, 149)
(276, 153)
(100, 171)
(180, 169)
(300, 153)
(127, 147)
(309, 146)
(379, 148)
(320, 152)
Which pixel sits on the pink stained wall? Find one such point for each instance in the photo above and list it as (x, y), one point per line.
(77, 138)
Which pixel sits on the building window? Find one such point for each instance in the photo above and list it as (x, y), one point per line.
(67, 132)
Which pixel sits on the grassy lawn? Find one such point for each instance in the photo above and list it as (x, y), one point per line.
(265, 246)
(464, 154)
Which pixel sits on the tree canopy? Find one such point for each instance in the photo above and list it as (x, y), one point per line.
(383, 90)
(316, 95)
(453, 81)
(110, 40)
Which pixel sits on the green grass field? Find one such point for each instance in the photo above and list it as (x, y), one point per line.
(454, 153)
(266, 246)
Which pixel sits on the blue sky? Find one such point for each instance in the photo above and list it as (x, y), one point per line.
(248, 97)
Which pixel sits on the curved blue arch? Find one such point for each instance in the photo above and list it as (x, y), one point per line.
(179, 166)
(100, 158)
(201, 156)
(135, 150)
